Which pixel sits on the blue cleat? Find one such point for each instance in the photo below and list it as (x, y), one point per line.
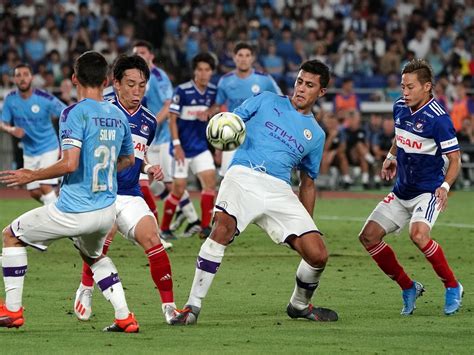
(453, 299)
(409, 298)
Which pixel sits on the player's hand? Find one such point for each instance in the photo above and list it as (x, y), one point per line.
(203, 116)
(17, 132)
(179, 154)
(441, 195)
(389, 169)
(156, 172)
(16, 177)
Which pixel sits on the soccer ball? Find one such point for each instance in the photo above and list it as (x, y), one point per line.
(225, 131)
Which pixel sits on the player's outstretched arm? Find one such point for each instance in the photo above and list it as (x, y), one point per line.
(16, 132)
(307, 192)
(454, 167)
(389, 166)
(67, 164)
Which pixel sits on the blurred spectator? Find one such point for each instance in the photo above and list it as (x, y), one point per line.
(322, 8)
(347, 99)
(392, 90)
(285, 48)
(172, 23)
(57, 42)
(67, 92)
(349, 51)
(26, 9)
(273, 63)
(35, 49)
(81, 41)
(381, 144)
(465, 137)
(436, 57)
(420, 45)
(462, 108)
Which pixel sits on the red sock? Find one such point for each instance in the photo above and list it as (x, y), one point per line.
(87, 279)
(160, 269)
(207, 205)
(149, 198)
(387, 261)
(434, 254)
(169, 207)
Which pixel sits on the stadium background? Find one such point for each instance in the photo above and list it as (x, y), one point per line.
(368, 41)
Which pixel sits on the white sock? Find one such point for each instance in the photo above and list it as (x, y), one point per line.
(365, 178)
(106, 277)
(14, 264)
(307, 280)
(346, 178)
(208, 262)
(49, 198)
(187, 208)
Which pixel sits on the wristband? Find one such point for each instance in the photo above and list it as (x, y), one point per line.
(146, 168)
(390, 156)
(176, 142)
(445, 186)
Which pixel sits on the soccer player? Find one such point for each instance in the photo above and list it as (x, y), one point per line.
(282, 133)
(158, 99)
(240, 84)
(189, 113)
(425, 159)
(134, 220)
(27, 114)
(96, 143)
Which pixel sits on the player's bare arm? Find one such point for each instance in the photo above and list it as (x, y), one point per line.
(154, 170)
(389, 166)
(16, 132)
(454, 167)
(163, 114)
(67, 164)
(307, 192)
(124, 161)
(178, 150)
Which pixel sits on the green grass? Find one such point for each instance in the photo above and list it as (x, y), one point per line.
(245, 308)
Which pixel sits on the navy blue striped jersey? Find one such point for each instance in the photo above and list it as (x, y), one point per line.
(423, 138)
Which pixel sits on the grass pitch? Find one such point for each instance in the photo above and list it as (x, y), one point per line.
(245, 308)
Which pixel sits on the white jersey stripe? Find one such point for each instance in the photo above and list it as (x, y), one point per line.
(412, 143)
(439, 107)
(435, 110)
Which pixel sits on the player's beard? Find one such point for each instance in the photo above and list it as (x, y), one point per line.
(23, 90)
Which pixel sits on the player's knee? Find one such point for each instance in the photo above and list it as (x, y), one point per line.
(420, 238)
(9, 239)
(318, 259)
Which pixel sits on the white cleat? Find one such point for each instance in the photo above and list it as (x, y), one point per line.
(83, 302)
(166, 245)
(169, 311)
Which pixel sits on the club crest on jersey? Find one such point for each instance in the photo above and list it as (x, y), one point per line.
(145, 130)
(307, 134)
(35, 108)
(255, 89)
(418, 127)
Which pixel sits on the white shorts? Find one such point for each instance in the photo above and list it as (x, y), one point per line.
(43, 225)
(38, 162)
(225, 162)
(197, 164)
(393, 213)
(251, 196)
(159, 154)
(130, 210)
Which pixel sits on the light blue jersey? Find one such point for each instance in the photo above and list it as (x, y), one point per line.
(102, 133)
(233, 90)
(34, 116)
(279, 138)
(159, 89)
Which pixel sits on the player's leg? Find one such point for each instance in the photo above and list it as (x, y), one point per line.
(387, 217)
(424, 216)
(47, 186)
(83, 299)
(170, 205)
(149, 197)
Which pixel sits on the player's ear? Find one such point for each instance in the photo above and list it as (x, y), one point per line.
(74, 79)
(322, 92)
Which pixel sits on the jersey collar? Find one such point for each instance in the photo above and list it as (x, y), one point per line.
(422, 107)
(125, 110)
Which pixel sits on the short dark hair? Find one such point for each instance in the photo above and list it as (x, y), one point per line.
(243, 45)
(125, 62)
(421, 68)
(23, 65)
(318, 68)
(143, 43)
(203, 57)
(91, 69)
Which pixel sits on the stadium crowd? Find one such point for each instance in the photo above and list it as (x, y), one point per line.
(367, 41)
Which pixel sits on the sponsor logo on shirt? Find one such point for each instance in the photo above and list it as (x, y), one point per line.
(412, 143)
(282, 135)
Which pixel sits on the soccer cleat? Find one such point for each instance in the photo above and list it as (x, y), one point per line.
(169, 311)
(10, 319)
(179, 219)
(317, 314)
(205, 232)
(127, 325)
(83, 302)
(167, 235)
(186, 316)
(192, 229)
(409, 298)
(166, 245)
(453, 299)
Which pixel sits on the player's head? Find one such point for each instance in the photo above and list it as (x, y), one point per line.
(310, 84)
(131, 74)
(244, 56)
(417, 83)
(145, 50)
(23, 76)
(203, 65)
(90, 70)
